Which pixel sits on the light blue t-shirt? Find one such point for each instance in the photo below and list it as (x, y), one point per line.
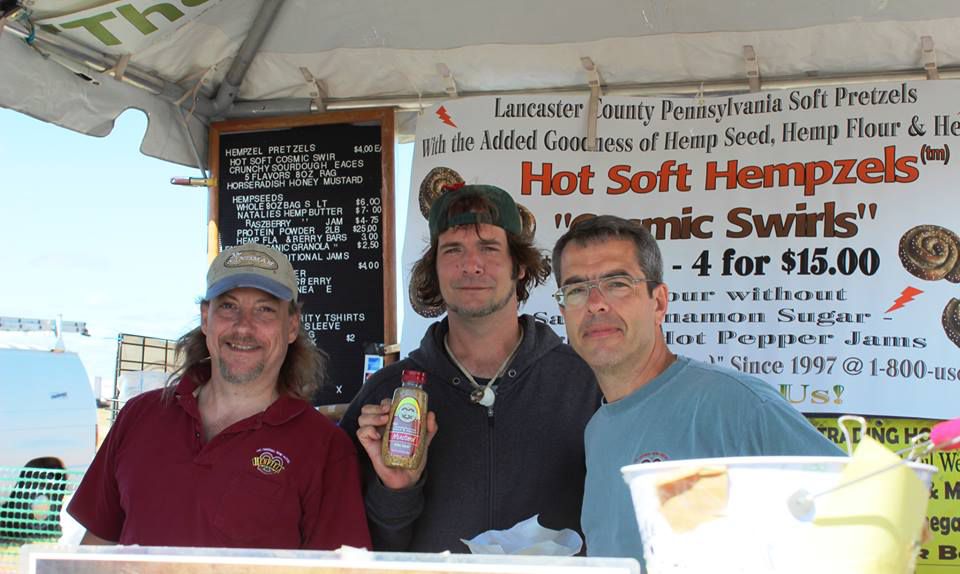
(692, 410)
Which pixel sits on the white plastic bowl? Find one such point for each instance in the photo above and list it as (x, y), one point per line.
(756, 532)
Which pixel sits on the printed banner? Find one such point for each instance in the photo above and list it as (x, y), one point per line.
(810, 237)
(126, 26)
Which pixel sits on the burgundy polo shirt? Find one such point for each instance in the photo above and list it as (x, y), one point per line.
(283, 478)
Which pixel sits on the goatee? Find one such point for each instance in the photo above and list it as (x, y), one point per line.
(482, 311)
(239, 378)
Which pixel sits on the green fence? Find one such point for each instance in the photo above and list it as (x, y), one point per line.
(31, 499)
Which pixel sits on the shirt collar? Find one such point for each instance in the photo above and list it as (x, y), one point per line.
(647, 390)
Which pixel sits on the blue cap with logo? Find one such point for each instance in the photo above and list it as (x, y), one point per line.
(252, 265)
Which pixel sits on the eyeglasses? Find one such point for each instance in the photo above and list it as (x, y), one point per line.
(613, 287)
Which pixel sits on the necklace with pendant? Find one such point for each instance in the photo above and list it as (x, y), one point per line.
(483, 395)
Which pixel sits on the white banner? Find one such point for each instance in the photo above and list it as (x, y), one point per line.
(809, 236)
(127, 26)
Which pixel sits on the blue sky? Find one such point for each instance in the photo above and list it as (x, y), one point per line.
(93, 231)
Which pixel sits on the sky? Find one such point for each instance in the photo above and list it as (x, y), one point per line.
(93, 231)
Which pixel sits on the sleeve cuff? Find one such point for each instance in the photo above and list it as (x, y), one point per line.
(391, 507)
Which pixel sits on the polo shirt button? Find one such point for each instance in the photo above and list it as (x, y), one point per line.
(456, 380)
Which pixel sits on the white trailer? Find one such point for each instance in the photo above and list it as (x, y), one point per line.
(48, 436)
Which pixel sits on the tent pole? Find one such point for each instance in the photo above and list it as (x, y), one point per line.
(230, 86)
(98, 63)
(664, 89)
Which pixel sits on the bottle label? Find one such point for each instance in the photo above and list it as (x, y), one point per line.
(405, 432)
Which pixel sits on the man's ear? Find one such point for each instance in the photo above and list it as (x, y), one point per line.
(204, 309)
(660, 295)
(294, 327)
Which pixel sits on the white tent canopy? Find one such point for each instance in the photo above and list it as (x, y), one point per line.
(81, 63)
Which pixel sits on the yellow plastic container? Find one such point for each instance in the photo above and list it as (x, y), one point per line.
(403, 443)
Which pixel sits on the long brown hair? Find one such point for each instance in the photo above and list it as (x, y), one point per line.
(303, 373)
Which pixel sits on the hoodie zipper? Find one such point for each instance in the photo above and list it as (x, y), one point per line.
(490, 479)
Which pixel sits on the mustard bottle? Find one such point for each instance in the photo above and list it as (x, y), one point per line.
(404, 440)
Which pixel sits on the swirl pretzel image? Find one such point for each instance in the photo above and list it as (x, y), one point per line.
(951, 320)
(931, 252)
(421, 308)
(432, 186)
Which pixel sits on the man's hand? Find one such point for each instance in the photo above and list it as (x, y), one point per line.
(372, 422)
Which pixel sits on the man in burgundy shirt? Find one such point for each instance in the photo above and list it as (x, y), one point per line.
(231, 453)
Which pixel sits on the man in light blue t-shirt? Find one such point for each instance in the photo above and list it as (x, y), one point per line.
(657, 406)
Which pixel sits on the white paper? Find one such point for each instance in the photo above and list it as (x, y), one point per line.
(526, 538)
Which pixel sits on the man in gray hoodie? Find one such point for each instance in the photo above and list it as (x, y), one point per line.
(509, 401)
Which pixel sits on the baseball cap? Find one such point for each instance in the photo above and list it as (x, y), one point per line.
(507, 215)
(252, 265)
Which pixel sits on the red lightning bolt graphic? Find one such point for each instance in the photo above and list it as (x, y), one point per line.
(444, 116)
(905, 297)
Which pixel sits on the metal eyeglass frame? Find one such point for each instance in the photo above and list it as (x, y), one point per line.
(560, 296)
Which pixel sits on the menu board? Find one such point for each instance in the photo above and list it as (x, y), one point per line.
(317, 188)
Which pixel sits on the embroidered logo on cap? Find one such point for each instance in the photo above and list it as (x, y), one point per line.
(270, 461)
(251, 259)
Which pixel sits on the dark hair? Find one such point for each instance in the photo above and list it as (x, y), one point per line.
(302, 374)
(423, 277)
(604, 227)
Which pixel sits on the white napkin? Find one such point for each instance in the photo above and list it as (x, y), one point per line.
(528, 538)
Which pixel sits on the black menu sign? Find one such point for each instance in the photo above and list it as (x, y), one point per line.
(315, 189)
